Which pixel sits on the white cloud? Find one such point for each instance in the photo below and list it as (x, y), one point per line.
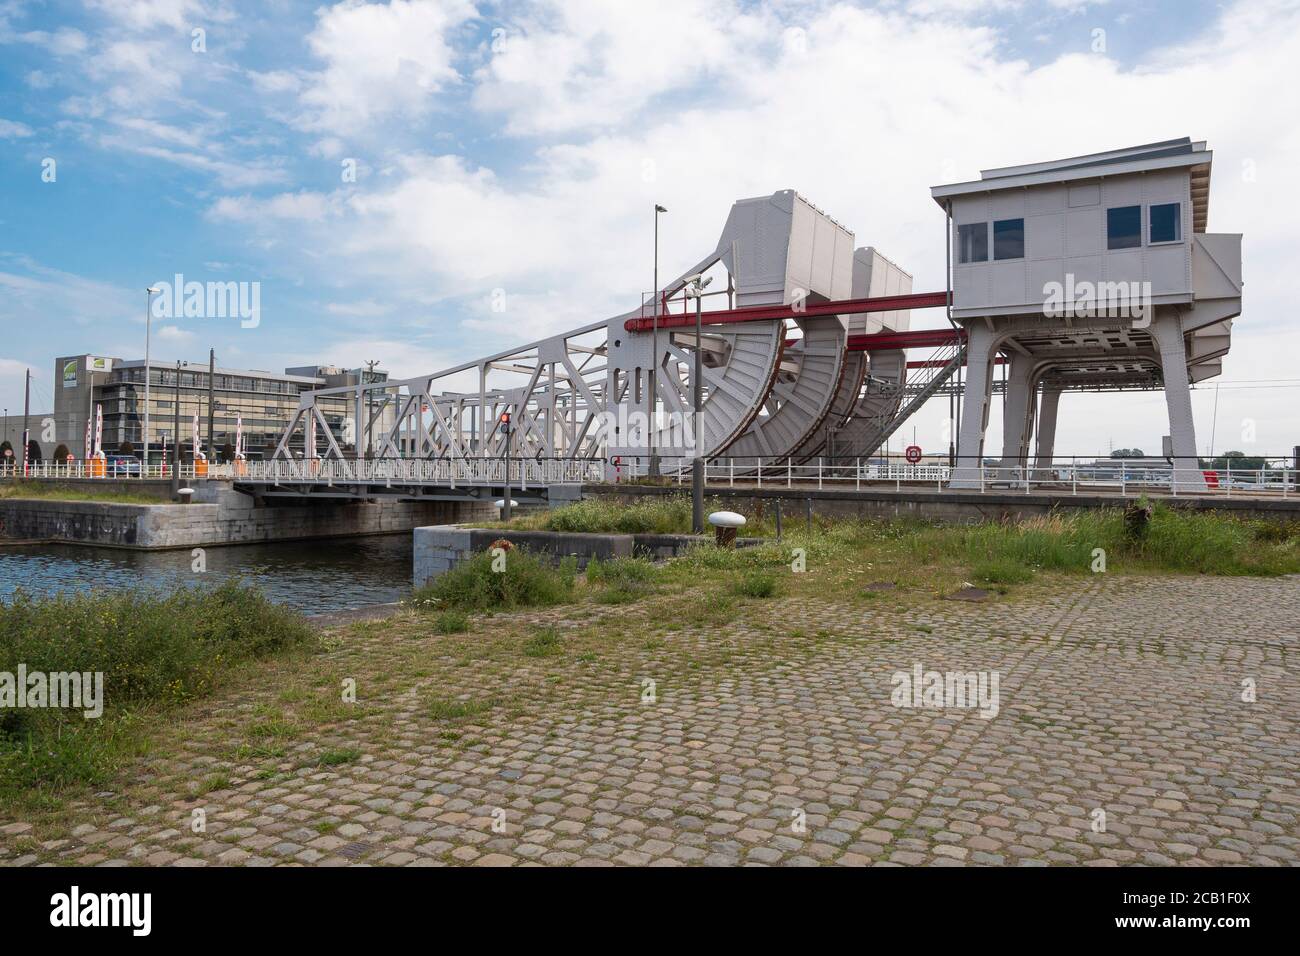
(11, 129)
(135, 72)
(141, 15)
(276, 81)
(12, 375)
(64, 41)
(229, 174)
(380, 60)
(173, 335)
(366, 308)
(302, 206)
(576, 64)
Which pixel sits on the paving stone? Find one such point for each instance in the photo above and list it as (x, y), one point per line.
(1093, 714)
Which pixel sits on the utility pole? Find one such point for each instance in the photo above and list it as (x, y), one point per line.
(27, 411)
(654, 352)
(505, 504)
(370, 378)
(1214, 422)
(212, 372)
(148, 319)
(176, 436)
(695, 286)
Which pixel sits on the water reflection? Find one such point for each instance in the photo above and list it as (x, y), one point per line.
(315, 576)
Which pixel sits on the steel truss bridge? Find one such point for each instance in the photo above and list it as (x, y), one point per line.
(804, 355)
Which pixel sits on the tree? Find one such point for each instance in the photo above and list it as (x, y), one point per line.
(61, 453)
(1128, 453)
(1236, 460)
(227, 452)
(126, 448)
(33, 451)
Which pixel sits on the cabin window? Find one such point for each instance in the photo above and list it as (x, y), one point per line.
(1124, 227)
(973, 242)
(1165, 222)
(1009, 239)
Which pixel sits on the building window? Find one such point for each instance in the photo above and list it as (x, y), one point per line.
(1166, 222)
(1009, 239)
(973, 242)
(1124, 227)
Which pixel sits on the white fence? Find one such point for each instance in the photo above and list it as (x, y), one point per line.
(92, 468)
(1121, 477)
(1062, 476)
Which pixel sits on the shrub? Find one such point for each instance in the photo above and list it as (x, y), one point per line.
(154, 649)
(1001, 571)
(624, 579)
(1215, 544)
(545, 643)
(756, 584)
(528, 580)
(670, 514)
(451, 622)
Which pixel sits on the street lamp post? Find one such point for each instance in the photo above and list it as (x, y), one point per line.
(695, 286)
(176, 435)
(654, 347)
(148, 318)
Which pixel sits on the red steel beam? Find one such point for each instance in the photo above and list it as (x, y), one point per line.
(762, 313)
(919, 339)
(880, 341)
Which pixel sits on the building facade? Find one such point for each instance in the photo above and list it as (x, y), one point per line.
(1092, 271)
(264, 400)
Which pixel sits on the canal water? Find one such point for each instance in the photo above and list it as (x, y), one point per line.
(329, 574)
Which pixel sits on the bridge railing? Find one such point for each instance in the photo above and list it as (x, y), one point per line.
(117, 471)
(1071, 475)
(449, 472)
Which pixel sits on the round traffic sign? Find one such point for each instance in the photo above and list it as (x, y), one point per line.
(913, 454)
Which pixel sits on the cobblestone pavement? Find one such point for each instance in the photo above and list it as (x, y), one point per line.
(769, 740)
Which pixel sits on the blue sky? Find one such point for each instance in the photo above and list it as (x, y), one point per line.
(516, 148)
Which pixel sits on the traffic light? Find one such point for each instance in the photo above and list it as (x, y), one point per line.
(505, 422)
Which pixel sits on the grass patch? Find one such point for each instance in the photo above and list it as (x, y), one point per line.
(1001, 571)
(670, 514)
(215, 782)
(527, 580)
(451, 622)
(155, 651)
(622, 580)
(545, 643)
(756, 584)
(45, 491)
(336, 758)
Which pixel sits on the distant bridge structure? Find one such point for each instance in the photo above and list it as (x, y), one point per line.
(805, 340)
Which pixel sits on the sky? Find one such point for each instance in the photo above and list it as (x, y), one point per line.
(386, 172)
